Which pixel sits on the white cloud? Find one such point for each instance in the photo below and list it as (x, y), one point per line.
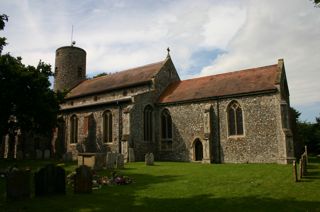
(278, 29)
(123, 34)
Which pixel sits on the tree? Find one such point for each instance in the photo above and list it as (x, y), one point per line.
(27, 102)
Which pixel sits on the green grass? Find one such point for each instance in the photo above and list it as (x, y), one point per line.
(171, 186)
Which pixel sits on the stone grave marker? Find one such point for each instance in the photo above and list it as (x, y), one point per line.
(120, 161)
(149, 159)
(18, 184)
(38, 154)
(111, 160)
(50, 180)
(83, 180)
(46, 154)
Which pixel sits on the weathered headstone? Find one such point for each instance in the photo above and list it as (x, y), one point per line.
(83, 180)
(38, 154)
(294, 170)
(67, 156)
(18, 184)
(50, 180)
(111, 160)
(149, 159)
(120, 161)
(131, 155)
(46, 154)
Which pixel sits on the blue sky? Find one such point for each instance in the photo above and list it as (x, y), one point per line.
(205, 37)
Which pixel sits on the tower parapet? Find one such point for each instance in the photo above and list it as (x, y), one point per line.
(70, 67)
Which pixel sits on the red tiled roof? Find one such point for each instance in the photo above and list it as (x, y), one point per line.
(232, 83)
(130, 77)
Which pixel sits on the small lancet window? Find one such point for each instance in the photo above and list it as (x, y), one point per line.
(73, 129)
(107, 127)
(148, 130)
(166, 130)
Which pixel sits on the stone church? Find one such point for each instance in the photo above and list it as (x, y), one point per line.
(235, 117)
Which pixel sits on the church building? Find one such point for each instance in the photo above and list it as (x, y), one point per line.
(235, 117)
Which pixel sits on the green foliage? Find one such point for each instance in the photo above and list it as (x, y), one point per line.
(3, 18)
(101, 74)
(25, 94)
(173, 186)
(308, 133)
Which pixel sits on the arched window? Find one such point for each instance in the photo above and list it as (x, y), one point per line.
(73, 129)
(166, 130)
(147, 125)
(107, 127)
(235, 120)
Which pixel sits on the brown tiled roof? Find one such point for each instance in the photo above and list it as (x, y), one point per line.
(232, 83)
(127, 78)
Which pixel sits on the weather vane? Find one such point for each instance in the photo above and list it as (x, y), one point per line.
(72, 41)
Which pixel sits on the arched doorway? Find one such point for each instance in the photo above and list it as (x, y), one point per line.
(198, 150)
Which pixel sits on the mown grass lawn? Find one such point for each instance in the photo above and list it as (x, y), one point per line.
(171, 186)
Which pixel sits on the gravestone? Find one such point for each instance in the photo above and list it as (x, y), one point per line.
(67, 156)
(120, 161)
(149, 159)
(19, 155)
(111, 160)
(38, 154)
(50, 180)
(18, 184)
(46, 154)
(83, 180)
(131, 155)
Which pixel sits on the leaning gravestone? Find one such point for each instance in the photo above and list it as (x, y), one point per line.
(38, 154)
(50, 180)
(111, 160)
(149, 159)
(120, 161)
(18, 184)
(83, 180)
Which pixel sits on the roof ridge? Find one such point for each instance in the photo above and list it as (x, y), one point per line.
(229, 73)
(125, 70)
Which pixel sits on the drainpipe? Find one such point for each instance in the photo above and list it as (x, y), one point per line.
(119, 127)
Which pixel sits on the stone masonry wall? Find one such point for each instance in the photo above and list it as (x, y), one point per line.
(259, 144)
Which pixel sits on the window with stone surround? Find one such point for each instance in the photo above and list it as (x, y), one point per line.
(73, 129)
(235, 119)
(147, 123)
(107, 127)
(284, 115)
(166, 130)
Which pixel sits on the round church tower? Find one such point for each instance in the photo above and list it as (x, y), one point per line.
(70, 67)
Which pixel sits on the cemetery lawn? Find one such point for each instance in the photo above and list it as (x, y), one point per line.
(173, 186)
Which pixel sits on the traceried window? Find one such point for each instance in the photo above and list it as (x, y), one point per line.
(73, 129)
(147, 123)
(107, 127)
(235, 119)
(166, 130)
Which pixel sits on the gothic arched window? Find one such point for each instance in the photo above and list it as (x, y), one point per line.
(107, 127)
(235, 120)
(147, 123)
(73, 129)
(166, 130)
